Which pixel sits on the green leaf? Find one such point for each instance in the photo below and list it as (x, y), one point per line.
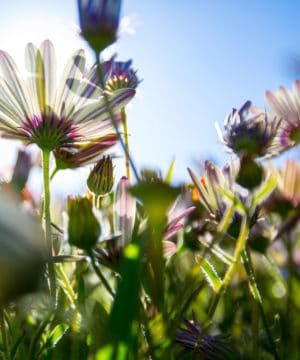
(126, 305)
(170, 172)
(218, 252)
(110, 352)
(16, 345)
(210, 274)
(264, 190)
(275, 273)
(57, 333)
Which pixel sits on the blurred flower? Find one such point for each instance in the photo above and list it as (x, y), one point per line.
(122, 76)
(21, 170)
(286, 104)
(22, 254)
(109, 251)
(99, 22)
(83, 228)
(286, 198)
(212, 347)
(34, 111)
(210, 185)
(101, 178)
(83, 154)
(117, 75)
(255, 136)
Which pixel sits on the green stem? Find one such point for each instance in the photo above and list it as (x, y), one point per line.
(125, 129)
(112, 115)
(54, 172)
(257, 297)
(47, 218)
(4, 335)
(100, 275)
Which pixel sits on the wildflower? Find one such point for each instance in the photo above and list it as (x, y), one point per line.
(101, 178)
(83, 154)
(209, 186)
(109, 251)
(212, 347)
(117, 75)
(251, 136)
(83, 228)
(122, 76)
(286, 197)
(99, 22)
(285, 104)
(34, 111)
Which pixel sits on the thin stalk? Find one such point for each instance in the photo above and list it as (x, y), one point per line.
(100, 275)
(54, 172)
(112, 115)
(4, 335)
(240, 245)
(125, 129)
(257, 297)
(47, 218)
(255, 329)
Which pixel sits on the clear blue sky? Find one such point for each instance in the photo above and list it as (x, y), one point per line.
(198, 59)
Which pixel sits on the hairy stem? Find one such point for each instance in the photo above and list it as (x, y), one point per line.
(125, 129)
(257, 297)
(100, 275)
(47, 219)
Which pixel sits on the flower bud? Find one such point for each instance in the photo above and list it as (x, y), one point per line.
(83, 228)
(99, 21)
(101, 178)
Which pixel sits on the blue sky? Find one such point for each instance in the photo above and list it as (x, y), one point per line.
(197, 59)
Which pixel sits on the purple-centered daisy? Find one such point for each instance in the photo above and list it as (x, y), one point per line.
(122, 76)
(35, 110)
(117, 75)
(286, 104)
(254, 136)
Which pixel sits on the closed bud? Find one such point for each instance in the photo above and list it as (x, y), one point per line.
(101, 178)
(99, 22)
(83, 228)
(250, 174)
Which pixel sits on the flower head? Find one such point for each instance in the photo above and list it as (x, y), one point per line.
(286, 104)
(99, 21)
(212, 347)
(251, 136)
(210, 185)
(83, 154)
(34, 110)
(122, 76)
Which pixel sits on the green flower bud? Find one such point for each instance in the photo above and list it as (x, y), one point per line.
(101, 179)
(83, 229)
(250, 174)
